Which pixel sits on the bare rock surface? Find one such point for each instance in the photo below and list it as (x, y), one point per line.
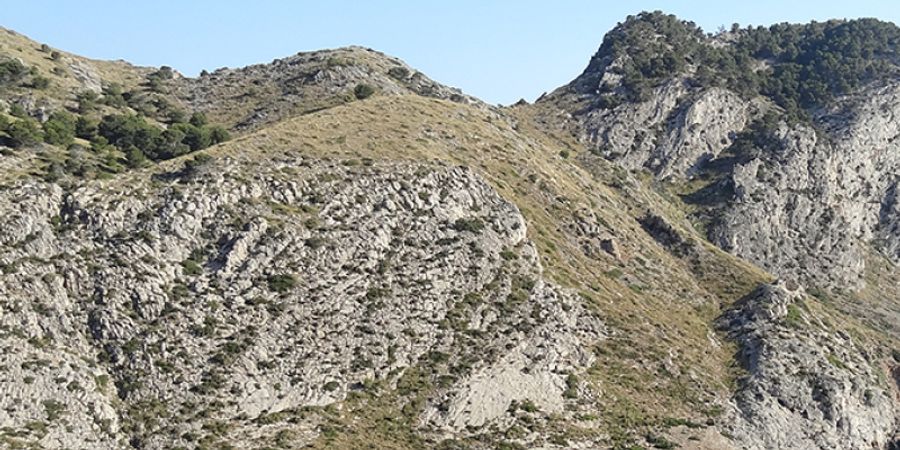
(147, 312)
(807, 385)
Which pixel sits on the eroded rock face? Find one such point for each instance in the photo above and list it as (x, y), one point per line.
(806, 207)
(808, 385)
(809, 206)
(676, 130)
(159, 308)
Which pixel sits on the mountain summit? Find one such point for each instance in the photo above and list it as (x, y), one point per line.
(693, 244)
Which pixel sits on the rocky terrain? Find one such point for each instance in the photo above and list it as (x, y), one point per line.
(643, 258)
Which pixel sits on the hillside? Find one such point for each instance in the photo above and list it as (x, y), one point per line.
(646, 261)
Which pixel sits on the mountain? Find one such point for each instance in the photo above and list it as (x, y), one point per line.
(692, 244)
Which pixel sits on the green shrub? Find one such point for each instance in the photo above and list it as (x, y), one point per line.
(11, 72)
(475, 225)
(86, 128)
(198, 119)
(281, 283)
(87, 101)
(59, 129)
(190, 267)
(399, 73)
(24, 132)
(362, 91)
(16, 110)
(39, 82)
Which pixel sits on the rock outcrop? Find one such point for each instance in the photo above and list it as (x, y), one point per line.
(205, 296)
(808, 383)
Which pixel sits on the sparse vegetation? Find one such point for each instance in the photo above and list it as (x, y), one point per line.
(282, 283)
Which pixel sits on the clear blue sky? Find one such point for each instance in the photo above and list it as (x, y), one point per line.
(497, 50)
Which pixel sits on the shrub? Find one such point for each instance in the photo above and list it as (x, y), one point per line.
(362, 91)
(218, 134)
(85, 128)
(471, 225)
(59, 129)
(281, 283)
(134, 158)
(113, 96)
(24, 132)
(40, 82)
(16, 110)
(399, 73)
(190, 267)
(55, 55)
(11, 72)
(87, 101)
(198, 119)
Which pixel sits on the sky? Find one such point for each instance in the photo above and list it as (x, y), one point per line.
(499, 51)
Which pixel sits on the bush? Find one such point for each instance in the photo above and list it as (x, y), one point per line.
(59, 129)
(86, 128)
(471, 225)
(399, 73)
(55, 55)
(16, 110)
(11, 72)
(134, 158)
(87, 101)
(218, 134)
(24, 132)
(281, 283)
(40, 82)
(362, 91)
(113, 96)
(198, 119)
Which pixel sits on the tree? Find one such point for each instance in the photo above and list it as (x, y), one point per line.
(24, 132)
(17, 110)
(196, 138)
